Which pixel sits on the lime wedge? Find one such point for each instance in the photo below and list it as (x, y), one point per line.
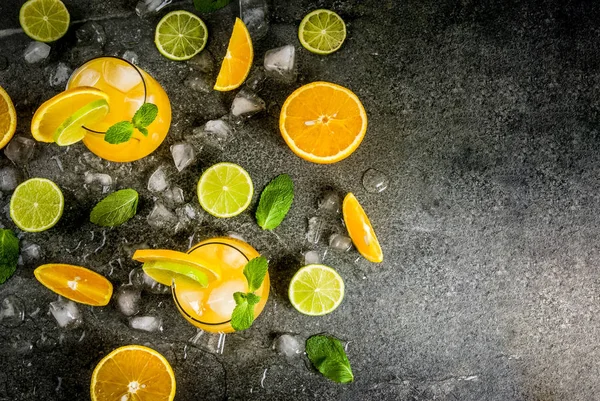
(322, 31)
(36, 205)
(225, 190)
(165, 272)
(44, 20)
(72, 131)
(316, 290)
(180, 35)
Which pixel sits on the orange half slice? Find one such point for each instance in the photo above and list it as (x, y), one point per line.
(360, 230)
(238, 59)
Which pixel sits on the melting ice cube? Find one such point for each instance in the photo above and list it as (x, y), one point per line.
(311, 258)
(199, 82)
(280, 63)
(131, 56)
(340, 242)
(36, 52)
(316, 226)
(202, 62)
(173, 197)
(256, 79)
(330, 202)
(128, 300)
(20, 149)
(104, 180)
(288, 345)
(255, 14)
(215, 133)
(375, 181)
(162, 218)
(66, 313)
(188, 215)
(146, 323)
(123, 77)
(30, 252)
(12, 311)
(145, 7)
(158, 180)
(91, 33)
(246, 103)
(183, 155)
(60, 74)
(10, 177)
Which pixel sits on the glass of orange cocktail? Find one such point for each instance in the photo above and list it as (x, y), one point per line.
(128, 87)
(209, 308)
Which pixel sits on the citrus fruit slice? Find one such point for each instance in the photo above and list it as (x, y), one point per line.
(323, 122)
(316, 290)
(36, 205)
(44, 20)
(164, 265)
(322, 31)
(180, 35)
(238, 59)
(75, 283)
(225, 190)
(134, 373)
(52, 113)
(72, 131)
(8, 118)
(360, 229)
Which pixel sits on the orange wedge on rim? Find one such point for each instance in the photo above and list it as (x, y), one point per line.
(360, 230)
(135, 373)
(52, 113)
(8, 118)
(238, 59)
(75, 283)
(323, 122)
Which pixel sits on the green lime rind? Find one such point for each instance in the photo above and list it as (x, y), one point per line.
(71, 130)
(165, 272)
(180, 35)
(225, 190)
(322, 32)
(316, 290)
(44, 20)
(36, 205)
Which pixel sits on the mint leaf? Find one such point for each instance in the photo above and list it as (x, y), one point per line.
(9, 254)
(243, 313)
(328, 356)
(275, 202)
(143, 131)
(115, 209)
(207, 6)
(145, 115)
(119, 133)
(255, 272)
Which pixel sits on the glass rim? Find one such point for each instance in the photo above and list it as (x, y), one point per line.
(137, 69)
(173, 286)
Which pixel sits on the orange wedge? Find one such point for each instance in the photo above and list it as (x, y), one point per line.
(238, 59)
(8, 118)
(75, 283)
(52, 113)
(134, 373)
(360, 229)
(323, 122)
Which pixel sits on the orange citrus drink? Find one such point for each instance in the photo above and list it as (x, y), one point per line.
(128, 87)
(210, 308)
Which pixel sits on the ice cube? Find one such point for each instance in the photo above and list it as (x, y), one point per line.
(10, 177)
(221, 299)
(288, 345)
(330, 201)
(120, 76)
(255, 14)
(375, 181)
(136, 277)
(311, 258)
(12, 311)
(215, 133)
(210, 342)
(60, 74)
(256, 79)
(173, 197)
(30, 252)
(145, 7)
(158, 181)
(183, 155)
(280, 63)
(36, 52)
(146, 323)
(340, 242)
(128, 300)
(203, 62)
(20, 149)
(104, 180)
(66, 313)
(91, 33)
(131, 56)
(162, 218)
(316, 226)
(246, 104)
(188, 215)
(199, 82)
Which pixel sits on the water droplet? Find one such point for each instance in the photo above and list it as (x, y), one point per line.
(375, 181)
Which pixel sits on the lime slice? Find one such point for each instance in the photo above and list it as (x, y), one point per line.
(44, 20)
(165, 272)
(36, 205)
(72, 131)
(180, 35)
(225, 190)
(316, 290)
(322, 32)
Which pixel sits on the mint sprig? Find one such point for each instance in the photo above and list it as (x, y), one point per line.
(242, 316)
(9, 254)
(275, 202)
(327, 354)
(122, 131)
(115, 209)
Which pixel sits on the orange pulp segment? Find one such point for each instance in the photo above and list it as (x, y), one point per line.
(133, 372)
(8, 118)
(75, 283)
(323, 122)
(360, 229)
(176, 263)
(238, 59)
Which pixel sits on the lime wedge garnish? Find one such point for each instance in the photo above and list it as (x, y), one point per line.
(44, 20)
(36, 205)
(225, 190)
(72, 131)
(180, 35)
(165, 272)
(316, 290)
(322, 32)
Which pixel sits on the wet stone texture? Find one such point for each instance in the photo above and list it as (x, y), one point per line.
(483, 116)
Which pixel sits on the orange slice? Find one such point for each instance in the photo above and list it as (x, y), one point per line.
(360, 229)
(8, 118)
(75, 283)
(323, 122)
(52, 113)
(238, 59)
(134, 373)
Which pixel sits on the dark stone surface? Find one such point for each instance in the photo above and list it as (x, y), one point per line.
(483, 114)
